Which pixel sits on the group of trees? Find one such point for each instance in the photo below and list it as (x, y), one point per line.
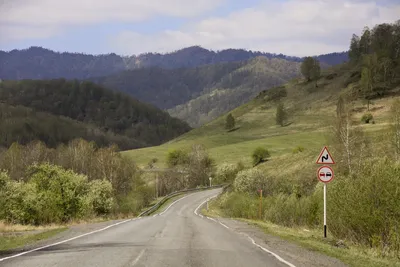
(376, 54)
(188, 168)
(105, 111)
(79, 180)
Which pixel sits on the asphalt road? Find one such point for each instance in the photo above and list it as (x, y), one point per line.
(177, 237)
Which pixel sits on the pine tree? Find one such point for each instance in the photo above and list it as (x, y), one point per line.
(230, 122)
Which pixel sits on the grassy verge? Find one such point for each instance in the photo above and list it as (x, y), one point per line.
(12, 241)
(312, 239)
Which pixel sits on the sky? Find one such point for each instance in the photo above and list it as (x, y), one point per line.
(132, 27)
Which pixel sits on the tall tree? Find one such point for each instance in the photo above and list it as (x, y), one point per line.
(230, 122)
(306, 67)
(281, 114)
(310, 68)
(365, 42)
(368, 76)
(354, 52)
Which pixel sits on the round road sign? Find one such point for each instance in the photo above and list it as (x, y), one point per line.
(325, 174)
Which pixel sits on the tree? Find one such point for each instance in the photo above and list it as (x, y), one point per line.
(306, 67)
(230, 122)
(259, 155)
(368, 77)
(311, 69)
(316, 72)
(281, 115)
(354, 52)
(365, 42)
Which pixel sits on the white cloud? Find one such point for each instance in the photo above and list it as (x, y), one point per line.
(35, 15)
(294, 27)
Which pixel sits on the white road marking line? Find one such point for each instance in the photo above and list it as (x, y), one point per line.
(172, 204)
(79, 236)
(138, 257)
(251, 239)
(70, 239)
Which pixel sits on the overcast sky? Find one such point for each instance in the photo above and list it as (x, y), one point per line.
(126, 27)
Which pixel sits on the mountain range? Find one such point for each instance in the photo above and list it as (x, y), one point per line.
(193, 84)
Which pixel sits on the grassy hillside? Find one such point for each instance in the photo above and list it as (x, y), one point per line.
(110, 112)
(311, 113)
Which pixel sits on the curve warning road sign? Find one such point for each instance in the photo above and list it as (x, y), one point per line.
(325, 157)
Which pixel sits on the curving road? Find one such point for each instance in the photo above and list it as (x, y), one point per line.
(177, 237)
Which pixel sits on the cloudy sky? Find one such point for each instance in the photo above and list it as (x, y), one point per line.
(126, 27)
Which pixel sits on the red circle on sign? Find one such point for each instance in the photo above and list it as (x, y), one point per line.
(325, 174)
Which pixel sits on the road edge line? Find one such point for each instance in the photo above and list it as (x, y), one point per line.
(67, 240)
(279, 258)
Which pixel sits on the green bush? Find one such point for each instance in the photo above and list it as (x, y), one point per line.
(367, 118)
(100, 197)
(259, 155)
(298, 149)
(61, 193)
(177, 157)
(226, 172)
(249, 181)
(365, 207)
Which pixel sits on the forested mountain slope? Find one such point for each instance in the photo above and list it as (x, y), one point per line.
(198, 95)
(41, 63)
(110, 112)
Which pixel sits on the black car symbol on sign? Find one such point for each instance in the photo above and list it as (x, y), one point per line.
(328, 174)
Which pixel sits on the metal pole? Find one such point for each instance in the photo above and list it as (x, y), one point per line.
(324, 210)
(260, 211)
(210, 181)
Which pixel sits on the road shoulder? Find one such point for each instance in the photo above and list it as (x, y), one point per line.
(297, 255)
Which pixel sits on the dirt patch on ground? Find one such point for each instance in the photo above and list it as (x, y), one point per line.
(299, 256)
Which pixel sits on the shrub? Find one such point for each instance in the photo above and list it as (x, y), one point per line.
(366, 205)
(259, 155)
(367, 117)
(250, 181)
(100, 197)
(298, 149)
(60, 193)
(177, 157)
(227, 172)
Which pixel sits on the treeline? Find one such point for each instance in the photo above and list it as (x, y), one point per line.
(92, 104)
(40, 185)
(41, 63)
(24, 125)
(377, 57)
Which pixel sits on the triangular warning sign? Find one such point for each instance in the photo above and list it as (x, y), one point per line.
(325, 157)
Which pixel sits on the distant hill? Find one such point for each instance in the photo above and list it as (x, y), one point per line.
(198, 95)
(31, 110)
(41, 63)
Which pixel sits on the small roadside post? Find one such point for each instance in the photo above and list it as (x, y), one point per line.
(325, 175)
(260, 205)
(210, 180)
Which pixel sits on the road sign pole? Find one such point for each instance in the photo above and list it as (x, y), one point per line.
(324, 210)
(260, 210)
